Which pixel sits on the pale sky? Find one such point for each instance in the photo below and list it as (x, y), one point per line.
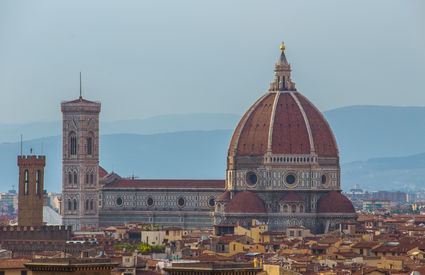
(145, 58)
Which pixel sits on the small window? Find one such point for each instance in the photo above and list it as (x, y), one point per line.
(69, 205)
(72, 144)
(290, 179)
(91, 178)
(119, 201)
(87, 179)
(181, 202)
(89, 146)
(75, 204)
(87, 204)
(75, 178)
(38, 182)
(26, 183)
(294, 209)
(70, 178)
(211, 202)
(149, 202)
(91, 205)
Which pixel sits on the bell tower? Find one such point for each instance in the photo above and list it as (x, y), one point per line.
(80, 162)
(31, 194)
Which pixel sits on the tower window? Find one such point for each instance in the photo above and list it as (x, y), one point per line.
(38, 182)
(89, 145)
(75, 178)
(87, 179)
(70, 178)
(91, 205)
(75, 204)
(73, 144)
(69, 205)
(91, 178)
(87, 204)
(26, 182)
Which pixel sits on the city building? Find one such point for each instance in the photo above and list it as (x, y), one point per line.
(283, 164)
(382, 205)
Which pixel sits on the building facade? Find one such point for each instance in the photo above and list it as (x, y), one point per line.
(283, 164)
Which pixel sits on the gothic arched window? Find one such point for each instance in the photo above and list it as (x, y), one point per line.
(87, 204)
(69, 205)
(89, 148)
(294, 209)
(75, 178)
(301, 208)
(285, 208)
(91, 204)
(75, 204)
(87, 179)
(91, 178)
(72, 143)
(70, 178)
(26, 183)
(38, 182)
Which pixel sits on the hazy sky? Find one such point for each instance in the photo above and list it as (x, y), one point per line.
(144, 58)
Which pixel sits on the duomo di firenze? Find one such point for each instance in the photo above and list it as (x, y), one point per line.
(282, 169)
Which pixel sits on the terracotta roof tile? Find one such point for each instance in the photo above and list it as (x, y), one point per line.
(245, 202)
(158, 183)
(335, 202)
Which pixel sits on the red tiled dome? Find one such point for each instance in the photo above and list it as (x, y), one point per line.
(335, 202)
(291, 123)
(292, 197)
(245, 202)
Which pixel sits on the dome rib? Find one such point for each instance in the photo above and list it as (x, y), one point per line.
(307, 123)
(271, 126)
(234, 142)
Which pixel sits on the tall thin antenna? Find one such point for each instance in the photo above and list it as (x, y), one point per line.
(21, 145)
(81, 90)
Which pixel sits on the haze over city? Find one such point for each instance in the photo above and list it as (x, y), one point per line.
(146, 58)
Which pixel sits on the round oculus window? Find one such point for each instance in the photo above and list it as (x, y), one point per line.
(251, 178)
(324, 179)
(118, 201)
(149, 202)
(290, 179)
(181, 202)
(211, 202)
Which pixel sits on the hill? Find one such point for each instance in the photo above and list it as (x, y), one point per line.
(399, 173)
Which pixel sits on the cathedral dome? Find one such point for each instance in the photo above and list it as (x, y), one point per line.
(283, 121)
(245, 202)
(335, 202)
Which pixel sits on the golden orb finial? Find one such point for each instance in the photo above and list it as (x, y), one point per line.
(282, 48)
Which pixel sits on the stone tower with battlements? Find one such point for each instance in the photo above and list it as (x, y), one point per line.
(80, 155)
(31, 184)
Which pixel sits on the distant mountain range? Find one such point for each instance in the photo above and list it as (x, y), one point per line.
(147, 126)
(373, 143)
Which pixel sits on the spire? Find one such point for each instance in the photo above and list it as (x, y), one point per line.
(282, 74)
(282, 60)
(81, 90)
